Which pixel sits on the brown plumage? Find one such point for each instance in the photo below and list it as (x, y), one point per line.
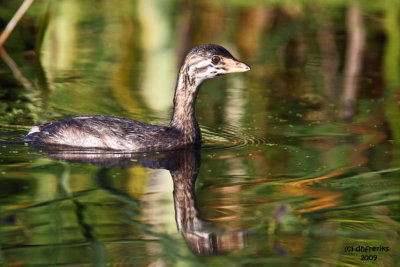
(109, 132)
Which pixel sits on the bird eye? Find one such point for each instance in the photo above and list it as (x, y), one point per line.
(215, 60)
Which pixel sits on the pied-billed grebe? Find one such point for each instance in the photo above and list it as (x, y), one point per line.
(109, 132)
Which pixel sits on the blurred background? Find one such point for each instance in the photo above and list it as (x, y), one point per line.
(300, 157)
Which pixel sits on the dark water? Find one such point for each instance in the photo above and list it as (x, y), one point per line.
(300, 163)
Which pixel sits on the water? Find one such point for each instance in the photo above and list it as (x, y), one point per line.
(288, 174)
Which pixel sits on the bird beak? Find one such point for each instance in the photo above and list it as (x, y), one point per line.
(232, 66)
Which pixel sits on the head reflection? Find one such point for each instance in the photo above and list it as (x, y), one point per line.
(201, 236)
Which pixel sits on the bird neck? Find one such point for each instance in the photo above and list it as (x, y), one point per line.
(184, 118)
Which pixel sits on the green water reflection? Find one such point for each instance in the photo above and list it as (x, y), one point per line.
(300, 159)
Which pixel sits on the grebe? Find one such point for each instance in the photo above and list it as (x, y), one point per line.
(114, 133)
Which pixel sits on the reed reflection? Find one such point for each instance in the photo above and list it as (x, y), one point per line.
(201, 236)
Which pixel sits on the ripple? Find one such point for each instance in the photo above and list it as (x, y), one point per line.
(230, 137)
(12, 133)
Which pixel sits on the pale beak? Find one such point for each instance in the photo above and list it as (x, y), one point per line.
(231, 65)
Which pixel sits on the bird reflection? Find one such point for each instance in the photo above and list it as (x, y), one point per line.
(201, 236)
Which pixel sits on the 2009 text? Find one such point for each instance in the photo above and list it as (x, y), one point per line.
(369, 257)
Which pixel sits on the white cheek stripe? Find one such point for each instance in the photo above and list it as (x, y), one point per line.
(201, 64)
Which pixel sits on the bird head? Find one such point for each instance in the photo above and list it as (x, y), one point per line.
(210, 60)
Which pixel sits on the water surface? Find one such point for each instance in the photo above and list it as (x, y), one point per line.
(300, 160)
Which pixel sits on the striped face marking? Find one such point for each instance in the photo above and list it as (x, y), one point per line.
(209, 67)
(201, 66)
